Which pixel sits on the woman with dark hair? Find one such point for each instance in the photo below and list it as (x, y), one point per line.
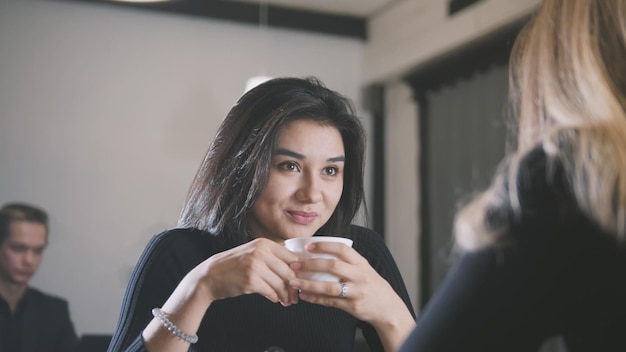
(543, 250)
(287, 162)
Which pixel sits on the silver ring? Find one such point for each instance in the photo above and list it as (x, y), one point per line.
(344, 290)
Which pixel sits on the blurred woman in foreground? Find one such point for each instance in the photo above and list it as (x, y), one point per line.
(543, 249)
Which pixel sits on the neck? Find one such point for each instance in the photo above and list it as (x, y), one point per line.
(12, 293)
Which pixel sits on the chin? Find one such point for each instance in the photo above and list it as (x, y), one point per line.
(21, 282)
(298, 234)
(300, 231)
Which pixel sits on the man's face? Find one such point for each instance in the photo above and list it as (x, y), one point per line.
(22, 251)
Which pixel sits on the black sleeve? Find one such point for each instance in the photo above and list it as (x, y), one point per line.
(68, 340)
(165, 261)
(484, 304)
(46, 323)
(371, 246)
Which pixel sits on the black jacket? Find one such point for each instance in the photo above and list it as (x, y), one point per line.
(41, 324)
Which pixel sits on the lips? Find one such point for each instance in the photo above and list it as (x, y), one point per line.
(303, 217)
(23, 275)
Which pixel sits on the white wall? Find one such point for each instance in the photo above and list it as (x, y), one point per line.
(105, 114)
(402, 194)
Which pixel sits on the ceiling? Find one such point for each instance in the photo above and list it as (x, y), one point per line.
(358, 8)
(337, 17)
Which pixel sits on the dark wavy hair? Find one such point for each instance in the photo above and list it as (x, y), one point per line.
(236, 167)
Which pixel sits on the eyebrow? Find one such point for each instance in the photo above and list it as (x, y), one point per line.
(291, 153)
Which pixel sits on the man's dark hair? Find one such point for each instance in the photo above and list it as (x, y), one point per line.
(12, 212)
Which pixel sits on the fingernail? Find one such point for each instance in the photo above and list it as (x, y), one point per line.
(311, 247)
(294, 283)
(295, 266)
(274, 300)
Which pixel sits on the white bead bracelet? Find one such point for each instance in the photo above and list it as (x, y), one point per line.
(159, 314)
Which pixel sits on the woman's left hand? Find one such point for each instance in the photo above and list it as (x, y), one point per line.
(366, 295)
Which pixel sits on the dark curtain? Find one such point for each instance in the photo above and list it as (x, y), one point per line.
(463, 139)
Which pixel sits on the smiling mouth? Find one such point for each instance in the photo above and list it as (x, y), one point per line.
(302, 217)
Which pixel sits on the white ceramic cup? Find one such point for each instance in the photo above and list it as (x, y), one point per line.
(298, 246)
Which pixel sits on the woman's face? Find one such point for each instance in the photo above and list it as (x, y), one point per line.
(305, 182)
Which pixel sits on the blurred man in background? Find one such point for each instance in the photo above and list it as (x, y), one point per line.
(30, 320)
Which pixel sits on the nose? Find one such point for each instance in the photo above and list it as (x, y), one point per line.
(310, 190)
(29, 258)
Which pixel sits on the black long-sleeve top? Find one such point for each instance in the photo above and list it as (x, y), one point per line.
(248, 323)
(555, 273)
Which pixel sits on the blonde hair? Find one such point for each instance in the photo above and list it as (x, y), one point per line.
(568, 94)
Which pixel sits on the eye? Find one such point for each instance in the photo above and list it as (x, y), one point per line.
(331, 171)
(18, 248)
(289, 166)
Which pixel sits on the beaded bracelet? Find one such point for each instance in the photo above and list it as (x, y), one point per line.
(159, 314)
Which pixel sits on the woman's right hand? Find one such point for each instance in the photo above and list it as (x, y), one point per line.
(260, 266)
